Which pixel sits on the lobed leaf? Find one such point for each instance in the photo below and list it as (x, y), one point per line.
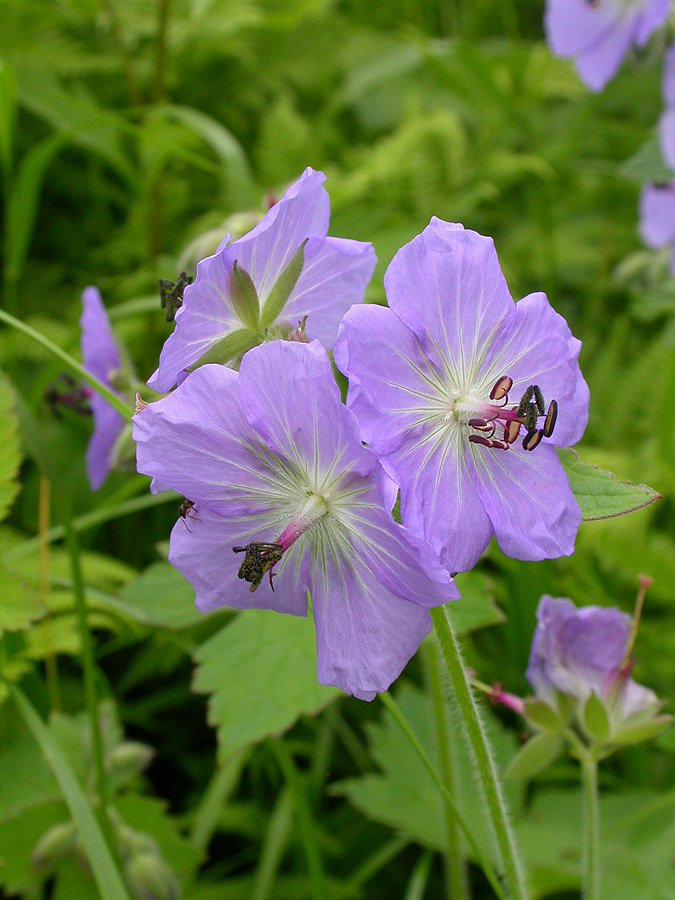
(599, 496)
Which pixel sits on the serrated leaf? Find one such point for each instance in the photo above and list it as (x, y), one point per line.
(538, 753)
(161, 596)
(541, 715)
(10, 448)
(261, 674)
(599, 496)
(596, 718)
(476, 607)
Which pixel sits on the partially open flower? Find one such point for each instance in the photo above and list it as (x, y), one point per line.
(261, 285)
(275, 471)
(463, 394)
(598, 33)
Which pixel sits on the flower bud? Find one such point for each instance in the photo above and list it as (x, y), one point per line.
(149, 878)
(54, 845)
(128, 759)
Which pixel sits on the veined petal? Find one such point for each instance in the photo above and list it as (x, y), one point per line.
(439, 500)
(537, 347)
(529, 501)
(447, 286)
(201, 548)
(197, 441)
(388, 376)
(290, 398)
(108, 424)
(406, 565)
(303, 212)
(365, 634)
(334, 276)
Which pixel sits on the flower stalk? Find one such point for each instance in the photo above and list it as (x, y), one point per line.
(482, 755)
(591, 827)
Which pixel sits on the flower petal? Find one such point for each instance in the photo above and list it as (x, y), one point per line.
(108, 424)
(574, 25)
(201, 548)
(529, 501)
(668, 83)
(601, 60)
(537, 347)
(653, 14)
(657, 209)
(334, 276)
(197, 441)
(439, 500)
(290, 398)
(393, 389)
(364, 633)
(447, 286)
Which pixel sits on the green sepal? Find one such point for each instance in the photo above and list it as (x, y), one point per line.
(538, 753)
(244, 296)
(232, 345)
(277, 297)
(541, 715)
(635, 734)
(596, 719)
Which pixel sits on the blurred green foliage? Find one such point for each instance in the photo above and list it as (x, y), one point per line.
(130, 134)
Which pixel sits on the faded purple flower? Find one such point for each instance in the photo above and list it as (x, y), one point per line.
(429, 381)
(598, 33)
(579, 651)
(273, 463)
(263, 284)
(657, 217)
(101, 357)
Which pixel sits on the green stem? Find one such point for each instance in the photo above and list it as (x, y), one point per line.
(89, 673)
(481, 754)
(591, 828)
(75, 367)
(455, 870)
(476, 848)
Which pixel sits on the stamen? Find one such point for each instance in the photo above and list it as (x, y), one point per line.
(479, 439)
(532, 439)
(260, 558)
(538, 399)
(551, 418)
(511, 431)
(501, 388)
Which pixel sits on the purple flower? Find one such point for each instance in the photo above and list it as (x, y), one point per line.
(598, 33)
(101, 357)
(275, 468)
(667, 120)
(263, 284)
(579, 651)
(657, 217)
(429, 381)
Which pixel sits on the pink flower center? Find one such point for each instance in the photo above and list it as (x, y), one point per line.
(509, 419)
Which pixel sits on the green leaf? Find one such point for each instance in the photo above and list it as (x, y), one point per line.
(102, 863)
(538, 753)
(24, 202)
(599, 496)
(161, 596)
(232, 345)
(7, 116)
(281, 291)
(10, 448)
(596, 718)
(541, 715)
(476, 607)
(647, 164)
(261, 674)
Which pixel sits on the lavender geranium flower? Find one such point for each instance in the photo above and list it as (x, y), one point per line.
(657, 217)
(667, 120)
(274, 466)
(101, 357)
(598, 33)
(263, 284)
(579, 651)
(429, 381)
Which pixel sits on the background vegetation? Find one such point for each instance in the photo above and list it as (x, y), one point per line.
(129, 133)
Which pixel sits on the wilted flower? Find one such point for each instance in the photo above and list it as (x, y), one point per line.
(101, 357)
(263, 284)
(657, 217)
(275, 469)
(429, 381)
(598, 33)
(579, 651)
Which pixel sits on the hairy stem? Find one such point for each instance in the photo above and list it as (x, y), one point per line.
(481, 754)
(591, 828)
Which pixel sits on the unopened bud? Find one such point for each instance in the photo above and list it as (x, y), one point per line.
(54, 845)
(128, 759)
(149, 878)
